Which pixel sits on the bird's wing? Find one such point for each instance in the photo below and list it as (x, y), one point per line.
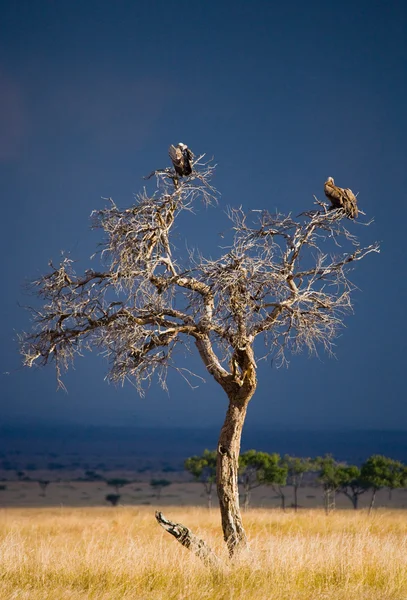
(350, 195)
(175, 155)
(350, 203)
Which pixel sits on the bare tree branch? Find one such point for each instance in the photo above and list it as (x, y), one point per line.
(273, 279)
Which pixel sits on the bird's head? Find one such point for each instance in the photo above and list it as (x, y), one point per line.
(182, 146)
(330, 180)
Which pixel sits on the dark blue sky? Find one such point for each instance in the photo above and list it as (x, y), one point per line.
(283, 95)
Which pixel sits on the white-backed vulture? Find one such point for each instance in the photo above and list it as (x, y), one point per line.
(181, 157)
(341, 198)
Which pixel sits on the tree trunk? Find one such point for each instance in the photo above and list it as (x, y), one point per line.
(239, 387)
(208, 485)
(209, 496)
(330, 500)
(282, 501)
(278, 490)
(227, 474)
(372, 501)
(353, 497)
(326, 501)
(246, 498)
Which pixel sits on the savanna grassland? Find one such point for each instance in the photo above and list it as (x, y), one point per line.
(121, 553)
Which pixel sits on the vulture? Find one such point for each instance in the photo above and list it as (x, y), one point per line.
(341, 198)
(181, 157)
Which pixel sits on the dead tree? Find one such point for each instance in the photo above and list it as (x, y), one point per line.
(280, 277)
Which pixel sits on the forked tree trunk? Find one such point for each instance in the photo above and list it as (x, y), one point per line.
(278, 490)
(353, 497)
(227, 488)
(240, 389)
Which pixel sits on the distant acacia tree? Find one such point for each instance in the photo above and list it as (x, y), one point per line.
(252, 466)
(277, 276)
(296, 469)
(397, 476)
(379, 472)
(275, 475)
(329, 476)
(117, 483)
(93, 476)
(261, 468)
(351, 483)
(158, 485)
(203, 468)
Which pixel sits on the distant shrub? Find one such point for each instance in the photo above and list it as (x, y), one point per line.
(2, 487)
(93, 476)
(113, 499)
(43, 485)
(117, 483)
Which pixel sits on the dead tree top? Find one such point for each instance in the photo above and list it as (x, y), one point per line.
(281, 276)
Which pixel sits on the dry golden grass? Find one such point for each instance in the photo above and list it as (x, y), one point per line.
(121, 553)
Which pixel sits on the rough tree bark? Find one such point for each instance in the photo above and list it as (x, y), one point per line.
(227, 474)
(186, 538)
(229, 450)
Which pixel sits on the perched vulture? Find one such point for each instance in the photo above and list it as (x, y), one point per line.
(181, 157)
(341, 198)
